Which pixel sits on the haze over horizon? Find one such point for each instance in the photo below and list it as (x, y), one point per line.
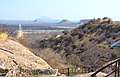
(59, 9)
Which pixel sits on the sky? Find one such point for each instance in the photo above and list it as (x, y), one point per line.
(59, 9)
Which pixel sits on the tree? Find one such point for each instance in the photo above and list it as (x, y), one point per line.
(3, 27)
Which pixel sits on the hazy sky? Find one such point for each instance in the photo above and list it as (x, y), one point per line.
(59, 9)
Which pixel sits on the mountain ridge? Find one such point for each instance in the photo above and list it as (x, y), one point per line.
(88, 44)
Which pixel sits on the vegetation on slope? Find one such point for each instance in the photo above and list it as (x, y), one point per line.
(87, 45)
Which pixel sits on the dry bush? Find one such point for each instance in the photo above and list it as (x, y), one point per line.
(5, 29)
(3, 35)
(73, 59)
(55, 60)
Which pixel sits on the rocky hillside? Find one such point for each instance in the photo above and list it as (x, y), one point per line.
(87, 45)
(13, 53)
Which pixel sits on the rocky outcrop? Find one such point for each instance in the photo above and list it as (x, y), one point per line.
(104, 20)
(13, 53)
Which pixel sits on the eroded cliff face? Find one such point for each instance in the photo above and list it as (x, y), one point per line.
(13, 53)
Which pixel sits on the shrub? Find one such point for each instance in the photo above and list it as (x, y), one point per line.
(8, 31)
(3, 36)
(113, 56)
(65, 32)
(73, 59)
(52, 58)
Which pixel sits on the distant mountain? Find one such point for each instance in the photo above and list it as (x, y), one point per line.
(76, 21)
(46, 20)
(83, 21)
(65, 22)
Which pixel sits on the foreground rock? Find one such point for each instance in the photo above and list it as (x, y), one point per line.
(13, 53)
